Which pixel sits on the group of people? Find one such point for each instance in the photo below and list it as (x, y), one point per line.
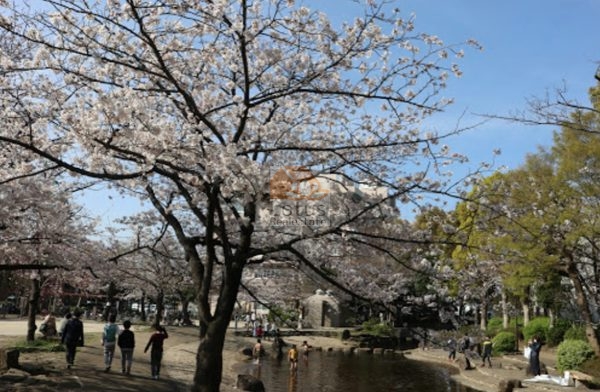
(464, 346)
(258, 351)
(293, 355)
(72, 336)
(260, 328)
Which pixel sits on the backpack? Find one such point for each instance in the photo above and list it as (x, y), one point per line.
(110, 333)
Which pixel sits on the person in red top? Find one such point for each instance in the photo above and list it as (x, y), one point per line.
(156, 341)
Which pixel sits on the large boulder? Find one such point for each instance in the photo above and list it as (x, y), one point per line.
(247, 382)
(14, 376)
(508, 385)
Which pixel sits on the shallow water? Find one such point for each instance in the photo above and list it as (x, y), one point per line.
(333, 372)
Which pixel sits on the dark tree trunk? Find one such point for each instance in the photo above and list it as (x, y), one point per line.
(34, 298)
(483, 317)
(209, 359)
(160, 307)
(584, 308)
(185, 313)
(143, 307)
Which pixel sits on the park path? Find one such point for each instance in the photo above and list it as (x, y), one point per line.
(506, 367)
(88, 372)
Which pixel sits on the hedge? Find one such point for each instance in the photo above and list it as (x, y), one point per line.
(504, 342)
(537, 327)
(572, 353)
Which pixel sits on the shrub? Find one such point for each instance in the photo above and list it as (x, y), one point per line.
(572, 353)
(556, 333)
(376, 328)
(537, 327)
(576, 332)
(494, 326)
(504, 342)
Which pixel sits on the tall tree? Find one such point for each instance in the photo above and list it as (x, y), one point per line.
(553, 206)
(195, 106)
(42, 235)
(563, 202)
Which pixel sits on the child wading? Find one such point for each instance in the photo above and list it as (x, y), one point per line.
(293, 357)
(257, 351)
(156, 341)
(126, 343)
(109, 341)
(305, 349)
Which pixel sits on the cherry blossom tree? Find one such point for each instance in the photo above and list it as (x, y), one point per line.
(42, 236)
(154, 262)
(197, 106)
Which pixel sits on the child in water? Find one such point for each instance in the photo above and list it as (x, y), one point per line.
(293, 357)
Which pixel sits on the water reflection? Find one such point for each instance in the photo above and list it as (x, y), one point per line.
(293, 381)
(333, 372)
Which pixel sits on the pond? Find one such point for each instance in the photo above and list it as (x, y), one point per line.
(338, 372)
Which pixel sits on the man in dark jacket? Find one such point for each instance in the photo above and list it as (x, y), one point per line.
(72, 337)
(126, 342)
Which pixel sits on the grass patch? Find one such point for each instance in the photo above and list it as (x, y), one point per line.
(39, 345)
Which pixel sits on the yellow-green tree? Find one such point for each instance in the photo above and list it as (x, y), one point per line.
(551, 206)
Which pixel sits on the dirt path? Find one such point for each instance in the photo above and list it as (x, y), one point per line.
(88, 372)
(178, 365)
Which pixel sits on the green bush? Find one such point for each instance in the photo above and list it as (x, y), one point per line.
(576, 332)
(537, 327)
(375, 328)
(571, 354)
(556, 333)
(494, 326)
(504, 342)
(282, 316)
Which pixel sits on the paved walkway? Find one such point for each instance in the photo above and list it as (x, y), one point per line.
(508, 367)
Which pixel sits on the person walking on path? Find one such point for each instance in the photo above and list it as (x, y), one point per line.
(126, 342)
(451, 349)
(534, 356)
(156, 342)
(487, 351)
(109, 341)
(293, 357)
(72, 337)
(465, 348)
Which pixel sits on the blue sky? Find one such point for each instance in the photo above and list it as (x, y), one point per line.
(530, 47)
